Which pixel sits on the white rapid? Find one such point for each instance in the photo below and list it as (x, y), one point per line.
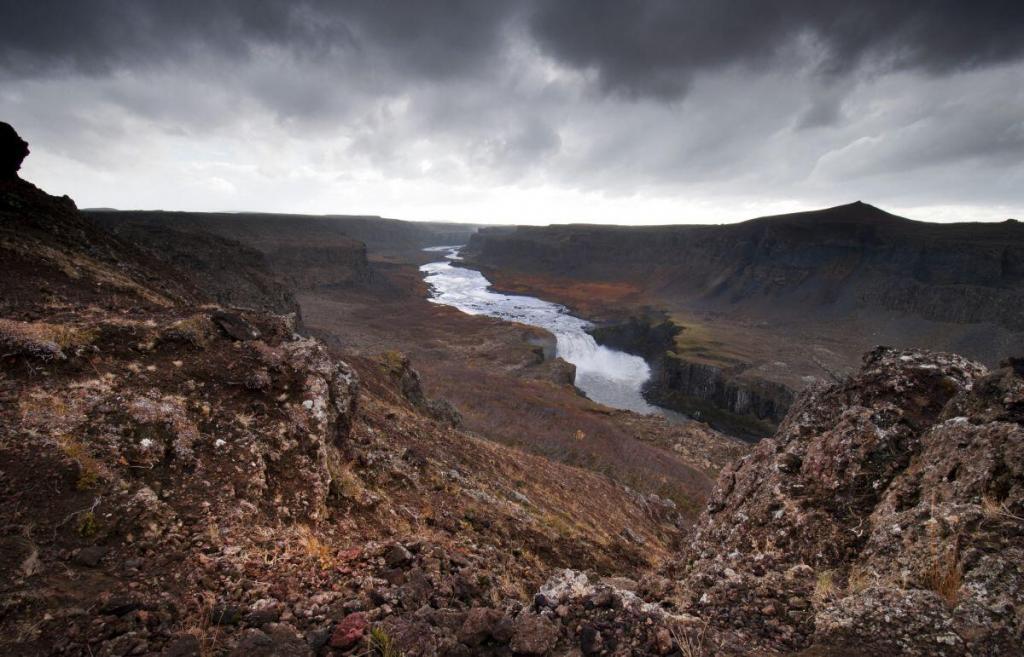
(613, 378)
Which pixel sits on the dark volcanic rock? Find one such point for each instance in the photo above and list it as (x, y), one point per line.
(278, 640)
(725, 399)
(234, 326)
(230, 272)
(533, 635)
(649, 337)
(13, 150)
(119, 605)
(882, 518)
(349, 631)
(185, 645)
(479, 626)
(591, 642)
(397, 556)
(408, 380)
(90, 556)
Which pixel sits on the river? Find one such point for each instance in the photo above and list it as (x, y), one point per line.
(608, 376)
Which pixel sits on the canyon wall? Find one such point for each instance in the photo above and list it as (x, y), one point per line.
(849, 257)
(727, 398)
(306, 252)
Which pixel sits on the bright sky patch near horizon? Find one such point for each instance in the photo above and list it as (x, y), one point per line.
(529, 111)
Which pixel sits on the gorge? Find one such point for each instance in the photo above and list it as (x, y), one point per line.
(737, 319)
(608, 376)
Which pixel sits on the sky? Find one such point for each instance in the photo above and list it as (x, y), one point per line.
(529, 111)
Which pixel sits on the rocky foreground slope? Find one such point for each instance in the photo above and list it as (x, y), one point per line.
(183, 478)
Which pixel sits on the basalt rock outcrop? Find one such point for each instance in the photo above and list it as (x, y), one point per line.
(749, 407)
(13, 150)
(884, 517)
(725, 397)
(400, 369)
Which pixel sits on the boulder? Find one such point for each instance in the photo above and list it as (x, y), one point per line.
(349, 631)
(479, 626)
(397, 556)
(184, 645)
(13, 150)
(882, 518)
(533, 634)
(276, 640)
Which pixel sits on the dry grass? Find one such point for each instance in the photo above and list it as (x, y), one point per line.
(382, 645)
(824, 588)
(558, 524)
(702, 343)
(944, 576)
(393, 361)
(90, 469)
(77, 265)
(314, 548)
(346, 482)
(995, 511)
(200, 624)
(197, 330)
(691, 642)
(42, 339)
(859, 579)
(586, 297)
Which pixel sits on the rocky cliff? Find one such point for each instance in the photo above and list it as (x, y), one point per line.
(886, 516)
(749, 407)
(230, 272)
(302, 252)
(720, 395)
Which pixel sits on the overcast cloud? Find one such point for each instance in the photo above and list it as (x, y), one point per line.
(628, 111)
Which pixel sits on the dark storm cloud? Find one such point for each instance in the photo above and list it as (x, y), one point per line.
(432, 39)
(657, 46)
(712, 99)
(637, 46)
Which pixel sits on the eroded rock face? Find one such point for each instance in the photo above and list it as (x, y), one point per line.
(749, 407)
(400, 369)
(181, 402)
(883, 518)
(13, 150)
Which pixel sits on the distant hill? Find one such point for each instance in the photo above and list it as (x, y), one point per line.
(267, 231)
(850, 257)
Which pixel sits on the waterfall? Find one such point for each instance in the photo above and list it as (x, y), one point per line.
(608, 376)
